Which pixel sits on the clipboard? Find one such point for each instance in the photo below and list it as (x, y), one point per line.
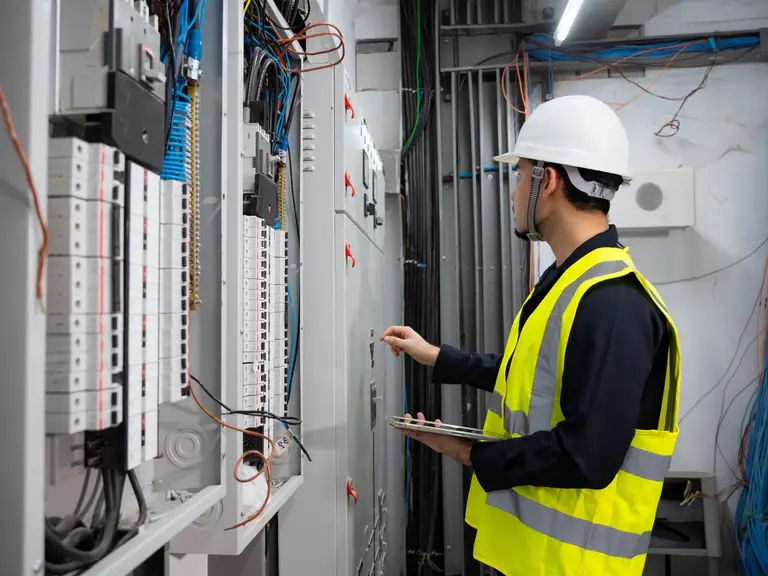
(444, 429)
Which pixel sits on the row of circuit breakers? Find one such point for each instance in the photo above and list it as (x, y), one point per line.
(118, 302)
(117, 296)
(264, 331)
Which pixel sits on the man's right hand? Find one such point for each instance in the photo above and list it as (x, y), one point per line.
(406, 339)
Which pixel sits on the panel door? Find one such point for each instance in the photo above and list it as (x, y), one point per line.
(359, 334)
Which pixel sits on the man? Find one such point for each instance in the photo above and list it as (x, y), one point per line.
(587, 387)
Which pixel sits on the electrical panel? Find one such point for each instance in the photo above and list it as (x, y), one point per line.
(122, 280)
(266, 327)
(341, 328)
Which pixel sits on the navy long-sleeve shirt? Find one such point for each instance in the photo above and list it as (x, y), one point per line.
(613, 384)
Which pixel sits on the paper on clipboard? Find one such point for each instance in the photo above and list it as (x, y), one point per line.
(444, 429)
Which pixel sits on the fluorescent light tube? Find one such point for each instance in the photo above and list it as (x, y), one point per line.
(567, 20)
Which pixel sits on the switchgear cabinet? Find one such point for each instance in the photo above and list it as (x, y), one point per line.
(339, 515)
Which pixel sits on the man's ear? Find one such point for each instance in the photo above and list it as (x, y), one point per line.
(549, 181)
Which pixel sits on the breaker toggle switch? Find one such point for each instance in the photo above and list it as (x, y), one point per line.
(348, 254)
(348, 105)
(348, 183)
(351, 490)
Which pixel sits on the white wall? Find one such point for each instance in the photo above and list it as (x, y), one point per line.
(724, 137)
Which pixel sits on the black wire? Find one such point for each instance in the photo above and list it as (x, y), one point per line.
(289, 420)
(716, 271)
(298, 242)
(139, 494)
(674, 124)
(210, 394)
(293, 199)
(62, 554)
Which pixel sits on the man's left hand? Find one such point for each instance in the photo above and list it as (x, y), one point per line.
(457, 448)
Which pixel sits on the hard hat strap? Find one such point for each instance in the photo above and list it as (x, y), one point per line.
(533, 199)
(593, 189)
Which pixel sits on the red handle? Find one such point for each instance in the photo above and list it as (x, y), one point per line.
(351, 490)
(348, 105)
(348, 254)
(348, 183)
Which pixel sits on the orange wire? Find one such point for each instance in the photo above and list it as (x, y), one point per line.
(33, 189)
(523, 92)
(525, 80)
(267, 461)
(287, 42)
(504, 89)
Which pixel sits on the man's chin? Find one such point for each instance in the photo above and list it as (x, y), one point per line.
(521, 235)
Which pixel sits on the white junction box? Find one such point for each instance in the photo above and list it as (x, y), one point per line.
(655, 200)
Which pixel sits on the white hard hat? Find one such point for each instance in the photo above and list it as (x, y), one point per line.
(578, 131)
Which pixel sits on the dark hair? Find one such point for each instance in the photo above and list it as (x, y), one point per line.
(581, 200)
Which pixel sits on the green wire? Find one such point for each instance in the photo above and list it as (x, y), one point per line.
(418, 84)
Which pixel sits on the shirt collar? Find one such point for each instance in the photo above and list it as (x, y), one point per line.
(606, 239)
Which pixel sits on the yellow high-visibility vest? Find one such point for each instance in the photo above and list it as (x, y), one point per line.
(536, 531)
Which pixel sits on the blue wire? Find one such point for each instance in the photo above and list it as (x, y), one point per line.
(752, 509)
(551, 79)
(618, 52)
(285, 93)
(293, 342)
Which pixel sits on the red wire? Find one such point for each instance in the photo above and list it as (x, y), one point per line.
(35, 196)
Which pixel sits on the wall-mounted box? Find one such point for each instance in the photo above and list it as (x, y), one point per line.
(655, 200)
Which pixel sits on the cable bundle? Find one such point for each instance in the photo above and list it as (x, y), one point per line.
(547, 52)
(71, 546)
(417, 97)
(422, 303)
(751, 519)
(178, 156)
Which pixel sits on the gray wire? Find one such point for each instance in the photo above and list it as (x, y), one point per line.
(83, 492)
(97, 508)
(94, 494)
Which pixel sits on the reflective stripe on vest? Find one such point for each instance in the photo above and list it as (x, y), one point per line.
(569, 529)
(542, 402)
